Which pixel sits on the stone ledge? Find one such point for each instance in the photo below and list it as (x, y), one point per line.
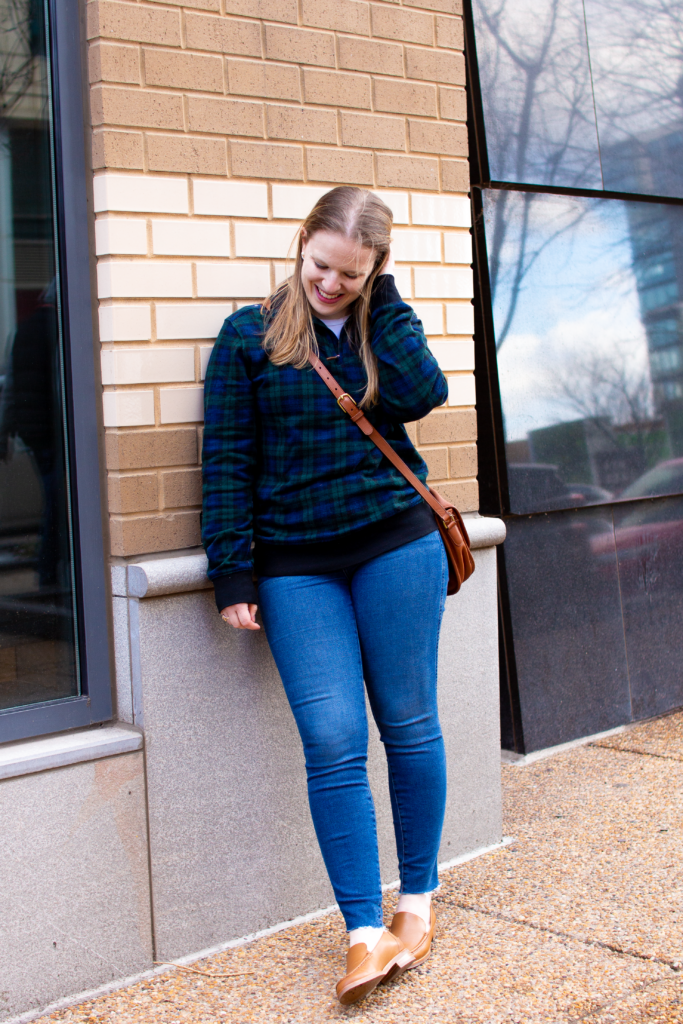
(39, 755)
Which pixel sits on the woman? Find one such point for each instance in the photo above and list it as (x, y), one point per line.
(351, 572)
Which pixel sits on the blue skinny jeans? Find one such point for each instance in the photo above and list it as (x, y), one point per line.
(379, 622)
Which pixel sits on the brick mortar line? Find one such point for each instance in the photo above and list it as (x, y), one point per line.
(632, 750)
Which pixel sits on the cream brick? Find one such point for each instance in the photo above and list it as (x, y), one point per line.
(191, 238)
(128, 408)
(204, 356)
(435, 66)
(443, 282)
(271, 241)
(282, 271)
(446, 211)
(187, 153)
(449, 33)
(136, 193)
(339, 165)
(444, 139)
(461, 390)
(138, 108)
(301, 124)
(132, 279)
(405, 26)
(295, 202)
(181, 405)
(339, 15)
(125, 323)
(230, 198)
(458, 247)
(404, 97)
(453, 104)
(367, 55)
(269, 81)
(407, 171)
(417, 246)
(337, 89)
(453, 355)
(111, 62)
(150, 365)
(183, 70)
(227, 117)
(259, 160)
(373, 132)
(121, 235)
(397, 203)
(223, 35)
(133, 22)
(233, 280)
(431, 316)
(191, 320)
(300, 45)
(403, 282)
(271, 10)
(460, 318)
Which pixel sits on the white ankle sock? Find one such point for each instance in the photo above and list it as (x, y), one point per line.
(370, 936)
(419, 904)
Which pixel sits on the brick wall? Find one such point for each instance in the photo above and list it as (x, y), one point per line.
(216, 125)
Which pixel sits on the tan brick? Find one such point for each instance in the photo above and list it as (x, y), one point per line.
(117, 149)
(443, 426)
(366, 55)
(445, 6)
(464, 494)
(336, 88)
(455, 176)
(343, 166)
(109, 62)
(146, 449)
(300, 45)
(411, 431)
(228, 117)
(435, 66)
(207, 5)
(186, 153)
(339, 15)
(270, 10)
(135, 107)
(449, 33)
(463, 461)
(181, 487)
(429, 137)
(407, 172)
(404, 97)
(140, 24)
(259, 160)
(406, 26)
(437, 462)
(373, 132)
(275, 81)
(300, 123)
(141, 535)
(223, 35)
(138, 492)
(453, 104)
(183, 70)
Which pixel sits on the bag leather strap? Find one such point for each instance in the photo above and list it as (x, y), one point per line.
(347, 405)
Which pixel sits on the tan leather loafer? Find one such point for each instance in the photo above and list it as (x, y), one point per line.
(364, 970)
(415, 936)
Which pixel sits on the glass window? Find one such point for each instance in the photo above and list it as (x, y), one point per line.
(37, 607)
(588, 336)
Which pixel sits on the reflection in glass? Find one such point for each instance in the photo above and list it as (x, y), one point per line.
(589, 338)
(536, 91)
(37, 650)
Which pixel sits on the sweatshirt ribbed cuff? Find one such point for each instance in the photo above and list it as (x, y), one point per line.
(237, 588)
(384, 292)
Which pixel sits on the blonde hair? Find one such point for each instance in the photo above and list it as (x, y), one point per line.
(290, 338)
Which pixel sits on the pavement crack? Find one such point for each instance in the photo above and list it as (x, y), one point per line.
(634, 750)
(673, 965)
(640, 989)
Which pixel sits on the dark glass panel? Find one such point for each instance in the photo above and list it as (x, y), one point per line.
(635, 52)
(536, 92)
(587, 320)
(566, 621)
(37, 646)
(649, 539)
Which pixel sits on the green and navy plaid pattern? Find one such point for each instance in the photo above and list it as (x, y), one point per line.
(281, 461)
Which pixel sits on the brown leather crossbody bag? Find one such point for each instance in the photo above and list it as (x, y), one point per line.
(448, 520)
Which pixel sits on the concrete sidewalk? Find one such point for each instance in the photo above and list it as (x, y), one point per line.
(580, 918)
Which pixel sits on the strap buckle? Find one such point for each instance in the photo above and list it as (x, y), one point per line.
(341, 398)
(451, 521)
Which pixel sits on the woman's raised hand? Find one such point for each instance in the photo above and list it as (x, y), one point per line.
(388, 265)
(241, 616)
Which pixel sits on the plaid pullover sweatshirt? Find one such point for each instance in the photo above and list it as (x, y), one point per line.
(282, 464)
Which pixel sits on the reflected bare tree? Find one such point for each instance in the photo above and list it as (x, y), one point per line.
(17, 53)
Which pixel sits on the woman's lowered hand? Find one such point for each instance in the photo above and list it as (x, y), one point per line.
(241, 616)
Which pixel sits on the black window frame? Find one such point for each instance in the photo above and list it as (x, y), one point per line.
(83, 413)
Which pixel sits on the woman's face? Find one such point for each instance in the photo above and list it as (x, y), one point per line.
(334, 270)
